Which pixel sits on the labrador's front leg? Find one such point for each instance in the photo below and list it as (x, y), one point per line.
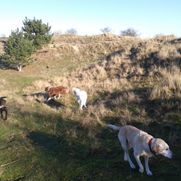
(148, 172)
(137, 157)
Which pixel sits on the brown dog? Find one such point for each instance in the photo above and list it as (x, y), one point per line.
(142, 143)
(55, 92)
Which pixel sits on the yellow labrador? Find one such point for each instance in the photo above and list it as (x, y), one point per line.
(142, 143)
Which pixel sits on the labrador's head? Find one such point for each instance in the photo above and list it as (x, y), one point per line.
(161, 148)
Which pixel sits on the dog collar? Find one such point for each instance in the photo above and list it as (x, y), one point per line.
(149, 144)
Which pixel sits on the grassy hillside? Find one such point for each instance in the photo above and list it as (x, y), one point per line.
(128, 80)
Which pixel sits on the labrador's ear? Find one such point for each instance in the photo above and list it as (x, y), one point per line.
(158, 148)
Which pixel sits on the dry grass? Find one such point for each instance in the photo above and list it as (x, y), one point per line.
(169, 86)
(168, 52)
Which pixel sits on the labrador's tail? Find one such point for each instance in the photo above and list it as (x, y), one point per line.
(116, 128)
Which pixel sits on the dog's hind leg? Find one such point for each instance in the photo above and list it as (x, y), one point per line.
(85, 105)
(81, 105)
(126, 153)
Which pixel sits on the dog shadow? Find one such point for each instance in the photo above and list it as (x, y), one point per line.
(41, 97)
(54, 104)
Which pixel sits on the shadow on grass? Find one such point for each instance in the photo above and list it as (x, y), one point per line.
(72, 149)
(54, 104)
(64, 150)
(41, 97)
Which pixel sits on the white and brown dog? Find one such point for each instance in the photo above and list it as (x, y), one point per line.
(142, 143)
(81, 96)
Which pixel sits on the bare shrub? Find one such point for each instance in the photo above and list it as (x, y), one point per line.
(129, 32)
(106, 30)
(71, 31)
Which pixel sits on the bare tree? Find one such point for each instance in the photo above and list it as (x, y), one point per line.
(129, 32)
(72, 31)
(106, 30)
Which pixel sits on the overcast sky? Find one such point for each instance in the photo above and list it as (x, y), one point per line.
(148, 17)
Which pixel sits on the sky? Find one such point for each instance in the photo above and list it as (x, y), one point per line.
(88, 17)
